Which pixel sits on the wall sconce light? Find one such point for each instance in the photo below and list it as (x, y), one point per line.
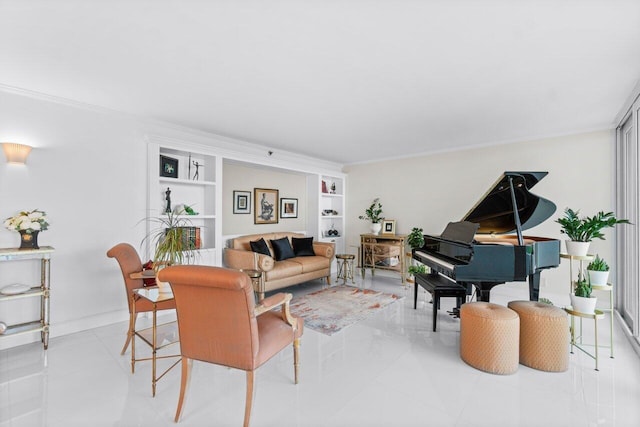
(16, 153)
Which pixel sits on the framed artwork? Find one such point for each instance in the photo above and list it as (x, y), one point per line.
(168, 167)
(288, 208)
(241, 202)
(389, 226)
(266, 210)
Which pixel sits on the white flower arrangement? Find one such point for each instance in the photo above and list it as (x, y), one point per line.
(28, 222)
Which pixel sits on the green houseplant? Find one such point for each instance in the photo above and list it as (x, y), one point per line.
(415, 240)
(581, 299)
(170, 240)
(598, 271)
(374, 214)
(417, 269)
(585, 229)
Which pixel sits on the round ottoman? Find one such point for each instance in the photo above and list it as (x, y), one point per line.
(489, 335)
(544, 335)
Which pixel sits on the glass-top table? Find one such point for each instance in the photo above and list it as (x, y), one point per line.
(157, 336)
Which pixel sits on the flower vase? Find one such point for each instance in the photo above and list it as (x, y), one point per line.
(29, 240)
(376, 227)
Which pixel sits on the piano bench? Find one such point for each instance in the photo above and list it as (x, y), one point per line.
(439, 286)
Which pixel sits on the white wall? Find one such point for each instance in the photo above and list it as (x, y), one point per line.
(432, 190)
(88, 172)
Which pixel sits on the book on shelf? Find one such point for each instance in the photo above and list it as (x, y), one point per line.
(191, 236)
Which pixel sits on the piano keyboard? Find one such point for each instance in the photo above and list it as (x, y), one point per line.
(435, 260)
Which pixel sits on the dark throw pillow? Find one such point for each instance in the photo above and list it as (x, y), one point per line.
(260, 246)
(303, 246)
(282, 249)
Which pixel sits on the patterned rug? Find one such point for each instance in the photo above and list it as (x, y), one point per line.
(332, 309)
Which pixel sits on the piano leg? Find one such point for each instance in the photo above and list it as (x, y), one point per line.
(483, 294)
(483, 290)
(534, 286)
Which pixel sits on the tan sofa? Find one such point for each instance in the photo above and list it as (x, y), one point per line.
(280, 274)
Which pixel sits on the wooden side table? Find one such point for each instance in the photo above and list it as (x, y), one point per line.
(379, 250)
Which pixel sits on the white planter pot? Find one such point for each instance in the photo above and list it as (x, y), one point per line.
(598, 278)
(577, 248)
(583, 305)
(376, 227)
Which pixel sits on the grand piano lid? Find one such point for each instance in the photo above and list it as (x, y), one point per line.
(494, 211)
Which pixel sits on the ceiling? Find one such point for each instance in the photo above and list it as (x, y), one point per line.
(347, 81)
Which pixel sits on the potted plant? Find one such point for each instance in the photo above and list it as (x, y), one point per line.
(417, 269)
(598, 272)
(171, 242)
(28, 224)
(415, 240)
(374, 214)
(581, 299)
(581, 231)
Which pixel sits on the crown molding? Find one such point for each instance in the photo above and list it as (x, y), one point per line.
(228, 147)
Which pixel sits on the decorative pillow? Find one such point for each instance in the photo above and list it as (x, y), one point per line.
(282, 249)
(303, 246)
(260, 246)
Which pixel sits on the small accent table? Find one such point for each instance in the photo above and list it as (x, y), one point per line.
(256, 281)
(157, 336)
(597, 315)
(345, 267)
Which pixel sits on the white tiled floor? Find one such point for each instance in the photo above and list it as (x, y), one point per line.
(389, 370)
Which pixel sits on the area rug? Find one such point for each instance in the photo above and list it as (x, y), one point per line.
(332, 309)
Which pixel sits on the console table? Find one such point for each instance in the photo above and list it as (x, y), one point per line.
(41, 291)
(384, 252)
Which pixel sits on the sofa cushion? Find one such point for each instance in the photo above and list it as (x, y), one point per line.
(260, 246)
(312, 263)
(283, 269)
(303, 246)
(282, 249)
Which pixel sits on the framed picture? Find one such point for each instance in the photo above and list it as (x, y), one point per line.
(266, 210)
(241, 202)
(168, 167)
(288, 208)
(388, 226)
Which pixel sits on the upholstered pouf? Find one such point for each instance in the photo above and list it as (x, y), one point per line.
(544, 335)
(489, 336)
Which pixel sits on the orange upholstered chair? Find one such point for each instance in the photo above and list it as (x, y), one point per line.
(129, 261)
(219, 323)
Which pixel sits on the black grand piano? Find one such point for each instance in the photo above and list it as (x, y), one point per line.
(479, 251)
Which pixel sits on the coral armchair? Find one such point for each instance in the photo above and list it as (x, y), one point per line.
(129, 262)
(219, 323)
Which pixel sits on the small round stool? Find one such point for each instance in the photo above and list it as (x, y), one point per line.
(345, 267)
(489, 337)
(544, 335)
